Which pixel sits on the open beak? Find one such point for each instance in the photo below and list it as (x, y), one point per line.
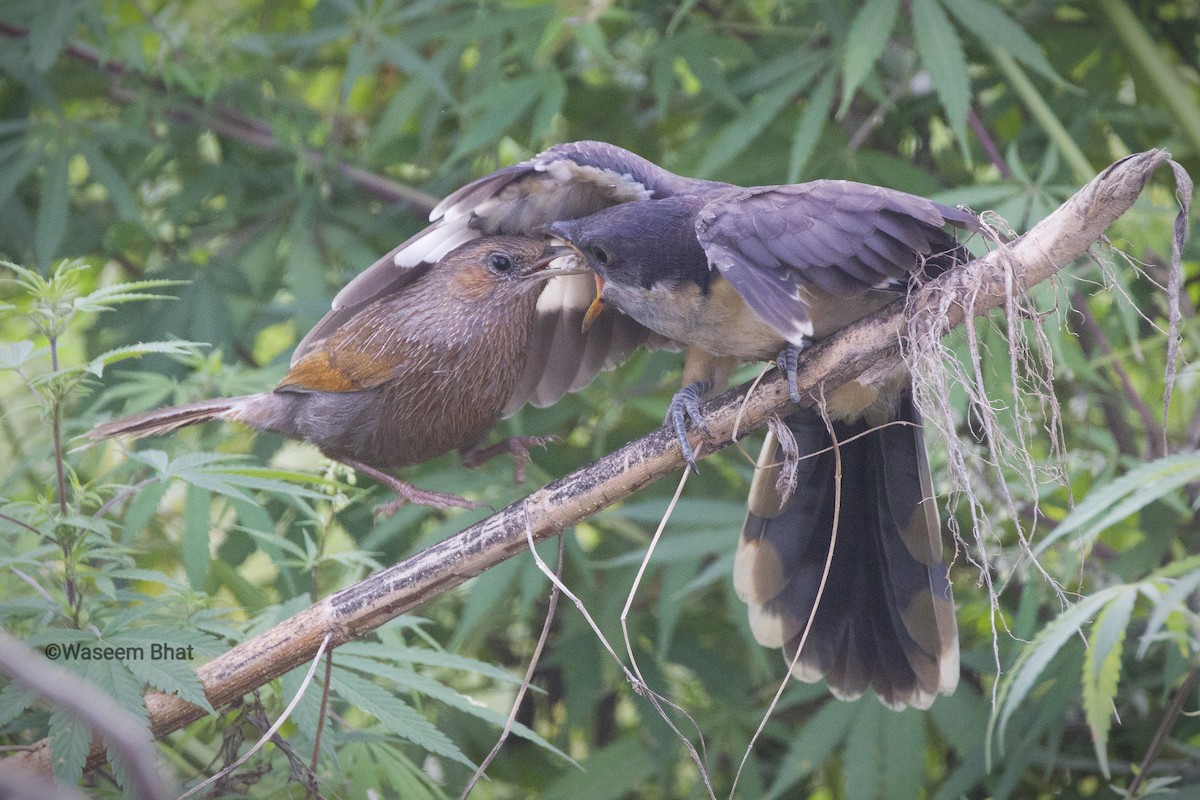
(597, 305)
(541, 269)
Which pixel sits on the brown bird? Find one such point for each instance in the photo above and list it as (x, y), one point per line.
(738, 274)
(425, 367)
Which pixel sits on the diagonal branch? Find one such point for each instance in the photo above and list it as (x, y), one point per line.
(972, 289)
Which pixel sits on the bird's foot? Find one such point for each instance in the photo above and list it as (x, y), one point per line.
(407, 493)
(517, 445)
(685, 405)
(788, 361)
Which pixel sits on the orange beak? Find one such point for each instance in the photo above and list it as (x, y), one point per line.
(596, 307)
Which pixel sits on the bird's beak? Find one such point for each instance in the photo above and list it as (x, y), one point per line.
(597, 305)
(541, 269)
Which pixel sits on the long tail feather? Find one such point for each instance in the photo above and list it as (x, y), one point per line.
(165, 420)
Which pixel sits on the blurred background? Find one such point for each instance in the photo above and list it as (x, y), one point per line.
(263, 153)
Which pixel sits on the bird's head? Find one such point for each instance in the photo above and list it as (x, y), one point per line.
(633, 247)
(506, 267)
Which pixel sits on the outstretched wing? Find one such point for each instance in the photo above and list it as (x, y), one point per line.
(567, 181)
(839, 237)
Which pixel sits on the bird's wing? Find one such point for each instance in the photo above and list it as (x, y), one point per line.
(567, 181)
(840, 237)
(353, 357)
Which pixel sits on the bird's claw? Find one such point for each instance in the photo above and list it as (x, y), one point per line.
(517, 445)
(407, 493)
(788, 361)
(685, 405)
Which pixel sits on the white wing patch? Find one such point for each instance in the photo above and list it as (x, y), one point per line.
(624, 188)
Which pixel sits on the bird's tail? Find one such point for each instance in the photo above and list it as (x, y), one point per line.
(886, 615)
(165, 420)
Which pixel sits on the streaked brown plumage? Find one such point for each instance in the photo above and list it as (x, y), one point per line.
(421, 370)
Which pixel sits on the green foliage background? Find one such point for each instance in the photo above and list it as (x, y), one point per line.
(265, 152)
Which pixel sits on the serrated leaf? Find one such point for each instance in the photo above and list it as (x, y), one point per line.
(434, 658)
(69, 742)
(406, 679)
(1036, 655)
(865, 41)
(113, 678)
(941, 54)
(96, 365)
(396, 715)
(1102, 670)
(992, 26)
(172, 677)
(1113, 502)
(14, 699)
(1175, 599)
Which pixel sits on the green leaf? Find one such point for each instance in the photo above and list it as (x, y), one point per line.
(1036, 655)
(142, 509)
(1176, 599)
(864, 44)
(395, 715)
(865, 751)
(196, 526)
(1102, 670)
(941, 53)
(96, 365)
(407, 679)
(113, 181)
(69, 742)
(811, 745)
(610, 773)
(437, 658)
(49, 31)
(733, 139)
(992, 25)
(903, 767)
(51, 224)
(499, 110)
(172, 677)
(811, 125)
(14, 699)
(1113, 502)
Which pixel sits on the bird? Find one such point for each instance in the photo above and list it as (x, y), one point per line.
(426, 367)
(736, 274)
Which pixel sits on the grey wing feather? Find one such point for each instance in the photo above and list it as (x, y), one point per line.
(841, 237)
(566, 181)
(562, 358)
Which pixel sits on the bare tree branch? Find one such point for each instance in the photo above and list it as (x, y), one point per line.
(854, 353)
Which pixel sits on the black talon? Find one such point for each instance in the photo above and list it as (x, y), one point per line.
(787, 362)
(686, 405)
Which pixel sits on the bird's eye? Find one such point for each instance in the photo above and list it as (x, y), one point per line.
(600, 254)
(500, 262)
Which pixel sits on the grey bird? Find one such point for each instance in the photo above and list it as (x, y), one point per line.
(737, 274)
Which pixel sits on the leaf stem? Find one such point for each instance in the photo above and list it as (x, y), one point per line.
(1164, 728)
